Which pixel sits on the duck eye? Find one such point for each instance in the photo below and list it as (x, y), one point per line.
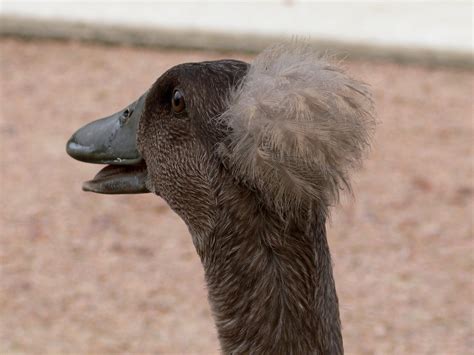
(177, 101)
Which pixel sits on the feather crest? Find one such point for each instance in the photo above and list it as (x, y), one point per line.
(297, 126)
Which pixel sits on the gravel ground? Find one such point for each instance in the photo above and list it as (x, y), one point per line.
(84, 273)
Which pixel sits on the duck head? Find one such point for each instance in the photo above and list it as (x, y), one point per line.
(166, 128)
(289, 127)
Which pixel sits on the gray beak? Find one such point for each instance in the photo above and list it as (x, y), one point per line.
(112, 140)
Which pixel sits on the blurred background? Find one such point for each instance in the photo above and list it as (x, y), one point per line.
(83, 273)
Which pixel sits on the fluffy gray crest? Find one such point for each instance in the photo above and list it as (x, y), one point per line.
(297, 126)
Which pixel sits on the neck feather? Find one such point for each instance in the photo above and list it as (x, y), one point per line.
(270, 281)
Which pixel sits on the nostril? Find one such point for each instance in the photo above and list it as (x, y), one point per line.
(125, 116)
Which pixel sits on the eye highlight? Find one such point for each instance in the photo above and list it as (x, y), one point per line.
(177, 101)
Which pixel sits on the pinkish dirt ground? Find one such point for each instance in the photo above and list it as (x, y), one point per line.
(84, 273)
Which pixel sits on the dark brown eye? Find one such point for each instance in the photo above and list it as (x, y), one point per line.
(177, 101)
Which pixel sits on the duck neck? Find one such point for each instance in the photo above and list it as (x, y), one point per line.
(270, 282)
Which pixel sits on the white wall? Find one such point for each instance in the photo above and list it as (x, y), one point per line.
(422, 24)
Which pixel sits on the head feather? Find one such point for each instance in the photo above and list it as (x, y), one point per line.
(297, 126)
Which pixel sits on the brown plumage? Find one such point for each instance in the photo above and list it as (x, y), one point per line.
(251, 161)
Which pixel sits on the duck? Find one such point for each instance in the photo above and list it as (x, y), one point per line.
(252, 156)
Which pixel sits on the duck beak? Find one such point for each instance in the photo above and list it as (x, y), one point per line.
(112, 140)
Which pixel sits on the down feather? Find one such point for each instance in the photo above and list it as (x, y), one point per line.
(296, 127)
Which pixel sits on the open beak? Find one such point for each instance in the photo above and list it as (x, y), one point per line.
(113, 140)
